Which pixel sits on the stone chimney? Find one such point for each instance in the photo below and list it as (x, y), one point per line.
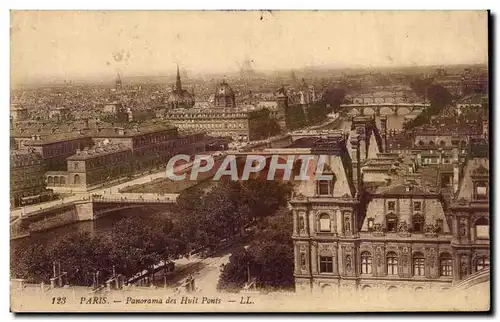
(485, 129)
(456, 171)
(383, 132)
(355, 146)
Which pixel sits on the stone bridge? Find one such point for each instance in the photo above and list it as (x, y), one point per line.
(297, 135)
(383, 108)
(81, 208)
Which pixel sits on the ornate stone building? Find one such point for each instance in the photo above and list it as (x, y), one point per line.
(224, 118)
(325, 221)
(349, 235)
(470, 216)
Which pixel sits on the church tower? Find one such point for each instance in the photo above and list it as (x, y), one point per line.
(118, 82)
(178, 84)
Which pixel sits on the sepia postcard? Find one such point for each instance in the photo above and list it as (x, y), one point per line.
(249, 161)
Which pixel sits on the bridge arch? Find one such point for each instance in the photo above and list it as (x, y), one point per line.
(386, 110)
(370, 111)
(403, 110)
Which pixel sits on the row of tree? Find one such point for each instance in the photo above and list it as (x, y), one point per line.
(202, 220)
(438, 96)
(131, 246)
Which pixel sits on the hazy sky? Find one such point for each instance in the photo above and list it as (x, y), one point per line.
(68, 44)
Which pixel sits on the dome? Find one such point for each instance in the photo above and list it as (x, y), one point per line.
(223, 89)
(224, 96)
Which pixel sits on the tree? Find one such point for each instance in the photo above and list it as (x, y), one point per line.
(234, 274)
(31, 263)
(269, 258)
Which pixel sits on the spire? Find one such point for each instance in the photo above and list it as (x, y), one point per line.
(118, 81)
(178, 85)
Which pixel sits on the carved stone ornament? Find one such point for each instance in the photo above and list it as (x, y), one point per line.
(377, 227)
(379, 256)
(348, 263)
(430, 229)
(403, 227)
(300, 196)
(431, 256)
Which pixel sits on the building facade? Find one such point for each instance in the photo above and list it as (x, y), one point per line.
(392, 236)
(27, 181)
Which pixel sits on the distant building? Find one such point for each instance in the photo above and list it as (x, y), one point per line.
(224, 118)
(224, 96)
(178, 97)
(18, 113)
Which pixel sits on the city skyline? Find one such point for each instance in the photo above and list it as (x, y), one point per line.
(99, 43)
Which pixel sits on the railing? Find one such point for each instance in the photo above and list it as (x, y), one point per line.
(134, 200)
(474, 279)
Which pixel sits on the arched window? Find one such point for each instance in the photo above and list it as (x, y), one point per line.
(441, 143)
(325, 262)
(76, 179)
(463, 143)
(366, 263)
(63, 181)
(482, 228)
(482, 262)
(431, 143)
(50, 181)
(324, 187)
(56, 181)
(418, 264)
(324, 222)
(445, 265)
(417, 222)
(421, 143)
(392, 263)
(391, 222)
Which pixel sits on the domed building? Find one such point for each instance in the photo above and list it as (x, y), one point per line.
(224, 96)
(179, 98)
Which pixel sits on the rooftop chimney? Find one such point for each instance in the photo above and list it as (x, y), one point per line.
(355, 146)
(383, 130)
(456, 171)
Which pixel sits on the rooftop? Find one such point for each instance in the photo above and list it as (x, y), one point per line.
(97, 151)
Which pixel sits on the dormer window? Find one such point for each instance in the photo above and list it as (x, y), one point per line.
(417, 223)
(391, 222)
(370, 224)
(324, 188)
